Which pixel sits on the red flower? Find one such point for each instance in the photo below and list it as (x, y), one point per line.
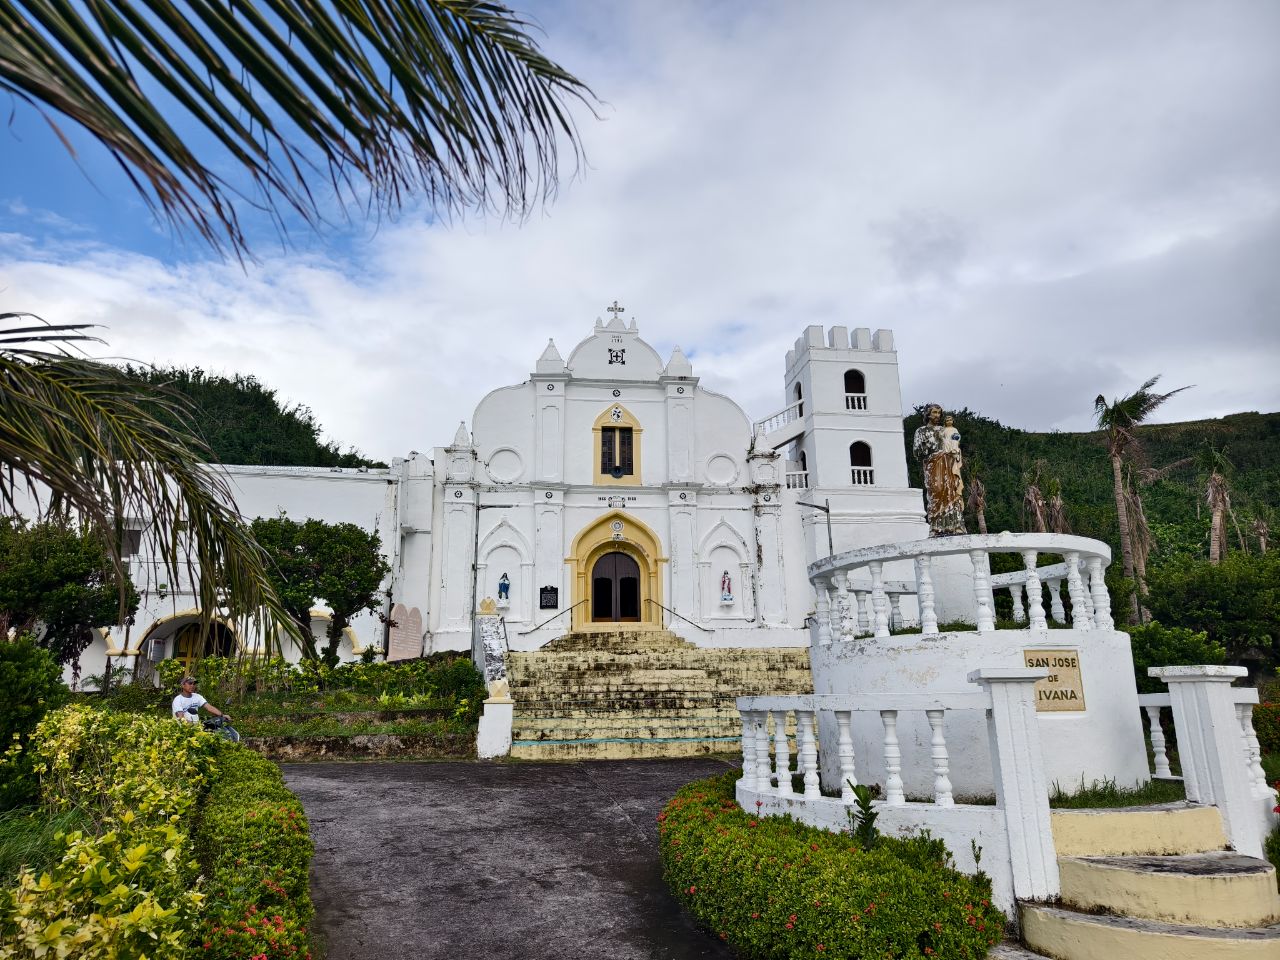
(693, 889)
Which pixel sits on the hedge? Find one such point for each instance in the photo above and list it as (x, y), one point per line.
(196, 847)
(1266, 722)
(256, 851)
(775, 888)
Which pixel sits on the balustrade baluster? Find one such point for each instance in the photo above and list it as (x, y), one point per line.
(1080, 618)
(822, 612)
(892, 759)
(764, 773)
(847, 631)
(1015, 592)
(1252, 750)
(879, 601)
(834, 613)
(1101, 599)
(807, 746)
(895, 611)
(865, 619)
(782, 752)
(981, 593)
(1056, 610)
(941, 761)
(1158, 751)
(924, 593)
(748, 750)
(1035, 593)
(848, 777)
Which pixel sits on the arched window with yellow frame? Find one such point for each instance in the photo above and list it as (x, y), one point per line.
(617, 447)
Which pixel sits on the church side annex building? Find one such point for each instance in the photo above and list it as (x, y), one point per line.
(610, 491)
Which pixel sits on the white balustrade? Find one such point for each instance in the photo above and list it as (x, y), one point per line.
(879, 601)
(788, 414)
(941, 761)
(1253, 750)
(855, 401)
(782, 753)
(748, 750)
(1081, 614)
(1057, 611)
(981, 591)
(848, 776)
(847, 618)
(822, 613)
(1159, 753)
(807, 747)
(895, 611)
(892, 759)
(1015, 592)
(834, 625)
(1101, 599)
(864, 613)
(797, 479)
(863, 476)
(760, 730)
(1035, 593)
(924, 594)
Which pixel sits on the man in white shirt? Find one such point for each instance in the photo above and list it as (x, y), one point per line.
(187, 704)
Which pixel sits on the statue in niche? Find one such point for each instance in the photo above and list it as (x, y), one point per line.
(726, 588)
(937, 446)
(504, 591)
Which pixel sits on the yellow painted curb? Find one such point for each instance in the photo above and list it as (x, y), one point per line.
(1077, 936)
(1209, 893)
(1160, 830)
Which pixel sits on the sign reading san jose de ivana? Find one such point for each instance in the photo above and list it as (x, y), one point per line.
(1062, 690)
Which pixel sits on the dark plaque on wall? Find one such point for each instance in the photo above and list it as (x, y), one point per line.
(549, 598)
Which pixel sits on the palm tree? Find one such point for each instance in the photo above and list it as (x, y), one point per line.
(1216, 468)
(1033, 503)
(365, 100)
(1263, 518)
(1056, 509)
(76, 437)
(977, 501)
(1120, 419)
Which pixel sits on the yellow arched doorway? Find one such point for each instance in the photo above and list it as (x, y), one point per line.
(615, 566)
(188, 640)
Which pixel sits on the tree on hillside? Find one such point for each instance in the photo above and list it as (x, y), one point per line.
(313, 562)
(1120, 419)
(1033, 503)
(1262, 520)
(57, 585)
(1216, 469)
(977, 501)
(304, 101)
(245, 422)
(1056, 508)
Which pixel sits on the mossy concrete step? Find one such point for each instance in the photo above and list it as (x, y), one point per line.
(1070, 935)
(618, 640)
(620, 749)
(670, 729)
(1166, 829)
(1219, 889)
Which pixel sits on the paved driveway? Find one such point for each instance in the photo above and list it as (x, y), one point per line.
(535, 861)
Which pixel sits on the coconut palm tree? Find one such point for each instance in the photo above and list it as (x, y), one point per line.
(1033, 503)
(77, 438)
(298, 101)
(1120, 419)
(1216, 470)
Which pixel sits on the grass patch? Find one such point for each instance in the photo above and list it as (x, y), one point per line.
(963, 626)
(325, 726)
(1107, 793)
(28, 838)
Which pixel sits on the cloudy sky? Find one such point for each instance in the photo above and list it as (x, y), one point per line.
(1044, 201)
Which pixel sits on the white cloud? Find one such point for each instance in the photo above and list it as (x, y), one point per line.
(1045, 203)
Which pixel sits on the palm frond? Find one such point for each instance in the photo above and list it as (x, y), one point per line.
(392, 97)
(77, 430)
(1121, 416)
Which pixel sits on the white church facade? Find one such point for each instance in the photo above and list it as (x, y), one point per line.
(610, 490)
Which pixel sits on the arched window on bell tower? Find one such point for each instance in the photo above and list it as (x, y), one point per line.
(855, 390)
(617, 447)
(799, 401)
(860, 463)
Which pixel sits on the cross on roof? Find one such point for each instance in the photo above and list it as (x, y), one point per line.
(615, 309)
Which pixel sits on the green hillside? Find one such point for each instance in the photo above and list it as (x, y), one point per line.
(245, 422)
(1078, 461)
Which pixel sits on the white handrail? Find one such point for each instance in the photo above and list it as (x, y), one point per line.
(787, 414)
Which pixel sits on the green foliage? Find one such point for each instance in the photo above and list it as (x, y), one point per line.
(57, 583)
(774, 888)
(125, 887)
(1237, 603)
(245, 422)
(1155, 645)
(30, 838)
(1272, 846)
(30, 686)
(339, 564)
(1108, 793)
(862, 817)
(1266, 723)
(254, 845)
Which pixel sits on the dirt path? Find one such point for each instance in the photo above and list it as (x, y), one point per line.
(535, 861)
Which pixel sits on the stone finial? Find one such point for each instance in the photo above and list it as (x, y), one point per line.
(550, 361)
(679, 365)
(488, 606)
(462, 438)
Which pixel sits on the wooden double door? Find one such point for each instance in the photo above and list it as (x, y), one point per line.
(615, 589)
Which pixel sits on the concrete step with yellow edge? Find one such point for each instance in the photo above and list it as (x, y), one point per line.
(668, 728)
(1220, 889)
(1166, 829)
(1070, 935)
(613, 748)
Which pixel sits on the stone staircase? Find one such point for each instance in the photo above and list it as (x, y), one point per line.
(636, 694)
(1154, 882)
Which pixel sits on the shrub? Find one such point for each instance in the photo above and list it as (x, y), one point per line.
(774, 888)
(1266, 723)
(1159, 646)
(256, 852)
(30, 685)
